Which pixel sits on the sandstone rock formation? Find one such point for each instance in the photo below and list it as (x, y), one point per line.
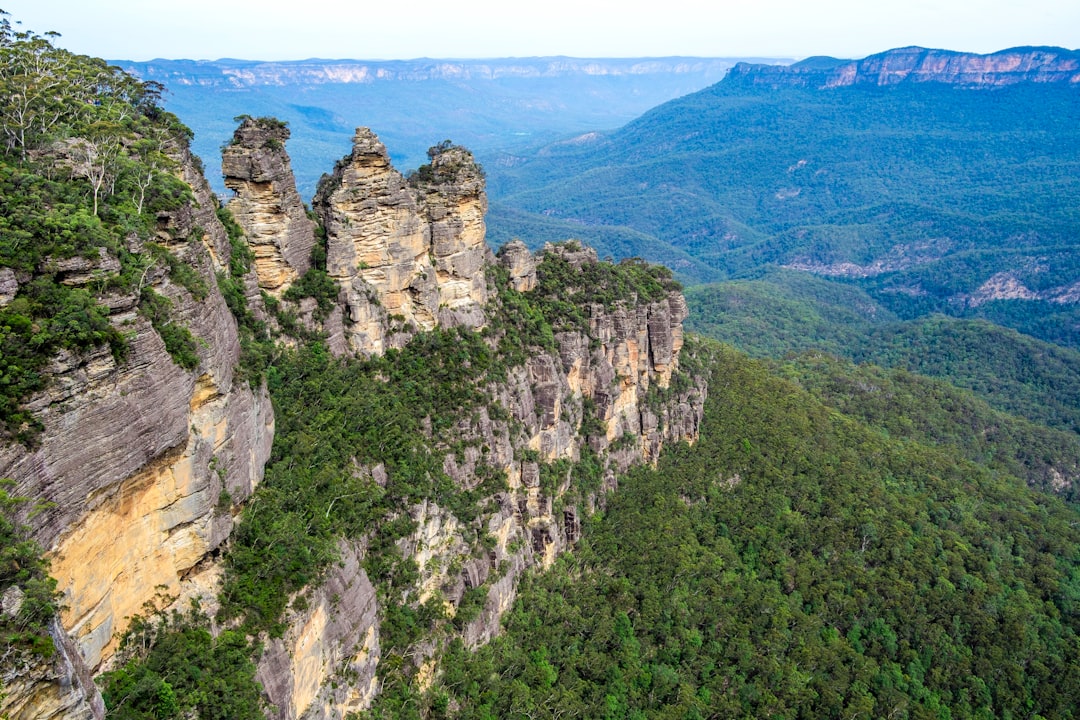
(59, 688)
(336, 638)
(919, 65)
(266, 204)
(147, 463)
(615, 368)
(408, 258)
(519, 264)
(136, 455)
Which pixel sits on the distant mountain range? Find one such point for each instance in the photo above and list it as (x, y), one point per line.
(487, 105)
(936, 181)
(918, 65)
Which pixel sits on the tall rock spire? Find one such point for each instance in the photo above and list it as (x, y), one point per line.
(267, 205)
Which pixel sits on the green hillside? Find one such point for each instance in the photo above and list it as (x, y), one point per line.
(788, 312)
(793, 563)
(919, 194)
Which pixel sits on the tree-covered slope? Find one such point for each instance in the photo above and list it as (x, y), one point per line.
(932, 197)
(784, 312)
(788, 312)
(795, 563)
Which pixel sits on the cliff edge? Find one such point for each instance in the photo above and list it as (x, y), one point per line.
(1044, 65)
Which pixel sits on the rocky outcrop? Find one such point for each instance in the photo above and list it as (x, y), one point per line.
(606, 390)
(604, 393)
(519, 264)
(266, 204)
(920, 65)
(59, 688)
(324, 666)
(452, 195)
(407, 256)
(147, 463)
(143, 462)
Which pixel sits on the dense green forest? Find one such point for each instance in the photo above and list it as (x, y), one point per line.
(794, 563)
(787, 312)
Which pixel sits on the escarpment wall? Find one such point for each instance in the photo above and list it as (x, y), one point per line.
(148, 464)
(1043, 65)
(134, 456)
(535, 418)
(408, 255)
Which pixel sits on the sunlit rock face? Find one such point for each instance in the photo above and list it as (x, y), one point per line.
(142, 463)
(324, 665)
(407, 255)
(920, 65)
(266, 203)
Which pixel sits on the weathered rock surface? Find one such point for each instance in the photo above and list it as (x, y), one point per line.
(147, 462)
(135, 455)
(56, 689)
(266, 204)
(613, 364)
(519, 263)
(919, 65)
(407, 258)
(324, 666)
(9, 286)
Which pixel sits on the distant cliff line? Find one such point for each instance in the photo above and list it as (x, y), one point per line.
(1042, 65)
(255, 73)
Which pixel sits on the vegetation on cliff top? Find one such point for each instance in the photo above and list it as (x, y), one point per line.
(85, 169)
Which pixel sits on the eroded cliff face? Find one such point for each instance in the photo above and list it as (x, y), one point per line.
(149, 463)
(266, 203)
(407, 257)
(324, 666)
(135, 456)
(919, 65)
(606, 392)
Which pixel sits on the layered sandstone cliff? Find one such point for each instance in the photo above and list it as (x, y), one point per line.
(408, 256)
(135, 457)
(149, 464)
(266, 203)
(920, 65)
(605, 390)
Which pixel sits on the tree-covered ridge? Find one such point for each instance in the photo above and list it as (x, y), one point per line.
(934, 412)
(785, 312)
(86, 169)
(794, 563)
(1016, 372)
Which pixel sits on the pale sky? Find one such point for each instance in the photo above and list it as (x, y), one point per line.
(405, 29)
